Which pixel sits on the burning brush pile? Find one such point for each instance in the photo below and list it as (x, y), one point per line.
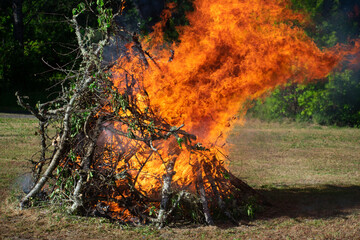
(144, 139)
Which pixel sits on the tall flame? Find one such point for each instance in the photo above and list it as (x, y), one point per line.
(232, 51)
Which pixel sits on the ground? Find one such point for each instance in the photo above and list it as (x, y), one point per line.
(310, 173)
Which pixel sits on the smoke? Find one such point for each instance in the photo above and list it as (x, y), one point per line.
(24, 183)
(114, 50)
(139, 15)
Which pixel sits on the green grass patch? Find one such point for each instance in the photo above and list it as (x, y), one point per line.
(272, 153)
(18, 143)
(309, 173)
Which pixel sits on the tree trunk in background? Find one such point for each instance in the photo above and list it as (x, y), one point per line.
(18, 23)
(18, 63)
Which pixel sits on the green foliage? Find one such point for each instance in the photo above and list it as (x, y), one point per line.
(47, 38)
(65, 184)
(282, 103)
(105, 15)
(251, 207)
(313, 7)
(334, 100)
(77, 122)
(80, 9)
(342, 99)
(178, 19)
(153, 211)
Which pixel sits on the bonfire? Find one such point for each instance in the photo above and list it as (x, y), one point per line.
(144, 139)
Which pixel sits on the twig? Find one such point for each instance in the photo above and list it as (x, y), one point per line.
(85, 168)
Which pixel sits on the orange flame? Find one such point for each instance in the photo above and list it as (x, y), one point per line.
(232, 51)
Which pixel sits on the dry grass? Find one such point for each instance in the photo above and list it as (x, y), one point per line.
(17, 143)
(294, 154)
(309, 173)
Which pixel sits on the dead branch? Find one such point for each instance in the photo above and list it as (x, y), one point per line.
(203, 198)
(85, 167)
(106, 140)
(166, 192)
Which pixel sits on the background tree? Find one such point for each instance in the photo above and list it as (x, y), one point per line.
(334, 100)
(35, 38)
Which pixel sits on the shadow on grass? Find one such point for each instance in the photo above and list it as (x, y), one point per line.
(309, 202)
(322, 201)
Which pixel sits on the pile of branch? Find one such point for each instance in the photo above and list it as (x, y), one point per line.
(105, 141)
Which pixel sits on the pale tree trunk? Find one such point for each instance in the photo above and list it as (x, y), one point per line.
(18, 23)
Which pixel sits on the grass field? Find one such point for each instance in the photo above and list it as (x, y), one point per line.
(310, 173)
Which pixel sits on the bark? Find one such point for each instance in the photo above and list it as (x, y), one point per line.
(203, 199)
(18, 23)
(216, 192)
(42, 127)
(62, 145)
(85, 168)
(166, 191)
(69, 108)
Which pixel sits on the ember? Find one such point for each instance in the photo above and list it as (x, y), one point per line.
(154, 147)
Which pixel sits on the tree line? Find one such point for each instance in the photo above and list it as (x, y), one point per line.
(35, 36)
(331, 101)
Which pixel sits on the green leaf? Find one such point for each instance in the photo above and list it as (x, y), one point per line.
(58, 170)
(92, 86)
(152, 211)
(179, 141)
(81, 7)
(226, 175)
(100, 3)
